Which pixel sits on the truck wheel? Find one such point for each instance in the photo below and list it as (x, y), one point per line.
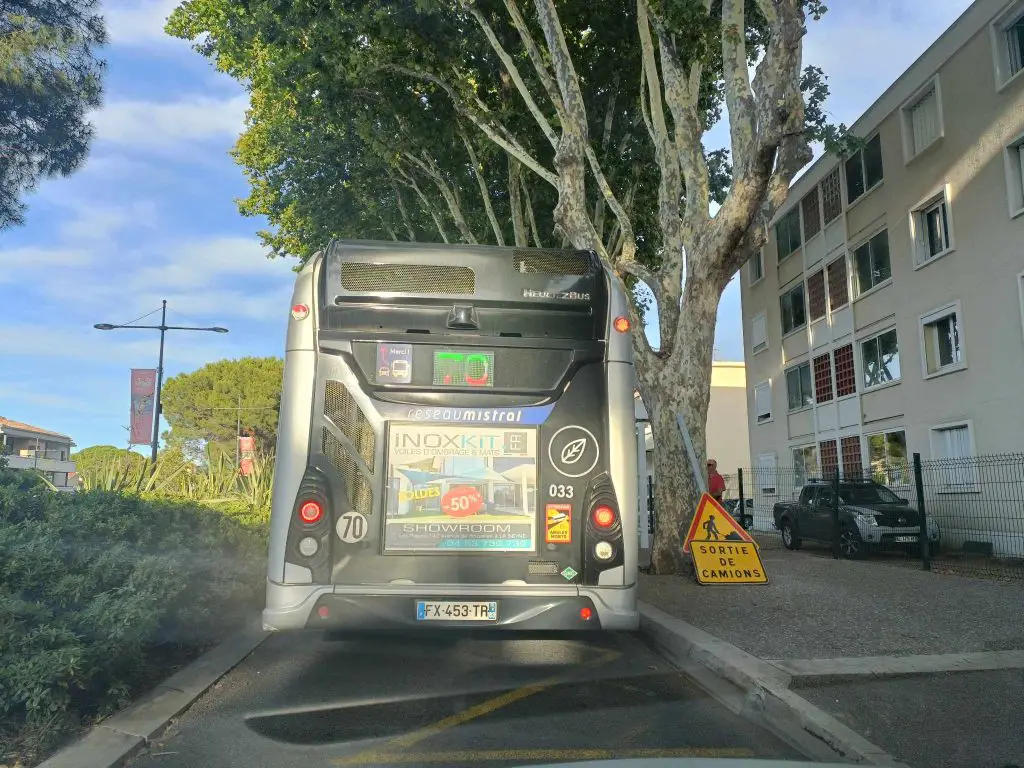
(851, 545)
(789, 538)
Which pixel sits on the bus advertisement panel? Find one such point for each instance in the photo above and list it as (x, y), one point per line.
(461, 489)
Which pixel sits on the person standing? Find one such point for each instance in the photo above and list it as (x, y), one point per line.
(716, 483)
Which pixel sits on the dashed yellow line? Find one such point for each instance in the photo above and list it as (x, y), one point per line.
(529, 755)
(385, 753)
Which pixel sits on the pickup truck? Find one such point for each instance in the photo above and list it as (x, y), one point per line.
(870, 516)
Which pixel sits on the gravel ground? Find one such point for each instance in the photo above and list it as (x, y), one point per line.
(816, 607)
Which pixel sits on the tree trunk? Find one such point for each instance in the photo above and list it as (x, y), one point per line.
(682, 386)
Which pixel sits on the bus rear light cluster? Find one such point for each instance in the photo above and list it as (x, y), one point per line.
(603, 550)
(310, 512)
(308, 546)
(603, 517)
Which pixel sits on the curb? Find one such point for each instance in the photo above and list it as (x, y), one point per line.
(757, 689)
(119, 737)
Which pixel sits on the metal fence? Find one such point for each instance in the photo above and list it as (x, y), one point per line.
(970, 511)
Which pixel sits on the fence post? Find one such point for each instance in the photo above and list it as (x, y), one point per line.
(835, 515)
(742, 507)
(923, 542)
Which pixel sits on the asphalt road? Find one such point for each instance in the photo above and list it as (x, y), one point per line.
(452, 700)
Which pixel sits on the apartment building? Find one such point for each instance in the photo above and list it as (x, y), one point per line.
(46, 452)
(885, 316)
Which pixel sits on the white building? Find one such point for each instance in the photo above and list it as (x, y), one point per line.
(28, 447)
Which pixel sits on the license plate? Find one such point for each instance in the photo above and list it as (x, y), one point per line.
(906, 539)
(456, 611)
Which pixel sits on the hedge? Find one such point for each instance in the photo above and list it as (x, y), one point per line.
(97, 589)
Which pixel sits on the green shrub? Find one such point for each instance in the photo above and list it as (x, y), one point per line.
(92, 583)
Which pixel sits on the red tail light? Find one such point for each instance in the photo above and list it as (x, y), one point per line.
(603, 517)
(310, 512)
(586, 613)
(300, 311)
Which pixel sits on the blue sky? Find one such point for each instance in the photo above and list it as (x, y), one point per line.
(152, 216)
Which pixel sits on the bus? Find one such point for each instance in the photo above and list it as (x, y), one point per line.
(456, 444)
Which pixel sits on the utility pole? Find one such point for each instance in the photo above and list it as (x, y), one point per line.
(163, 328)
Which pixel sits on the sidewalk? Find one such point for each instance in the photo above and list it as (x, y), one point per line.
(928, 667)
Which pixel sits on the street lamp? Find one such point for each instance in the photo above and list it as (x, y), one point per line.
(163, 328)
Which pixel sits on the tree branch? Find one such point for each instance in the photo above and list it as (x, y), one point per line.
(425, 202)
(780, 148)
(429, 167)
(515, 172)
(491, 127)
(485, 193)
(739, 98)
(529, 212)
(402, 209)
(536, 57)
(512, 69)
(571, 215)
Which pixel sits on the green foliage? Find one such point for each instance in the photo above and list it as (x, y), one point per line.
(92, 584)
(202, 406)
(342, 101)
(49, 80)
(93, 463)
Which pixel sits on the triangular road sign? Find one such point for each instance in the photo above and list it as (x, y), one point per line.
(713, 523)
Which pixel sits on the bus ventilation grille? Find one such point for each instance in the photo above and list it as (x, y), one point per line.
(443, 279)
(357, 488)
(552, 262)
(341, 408)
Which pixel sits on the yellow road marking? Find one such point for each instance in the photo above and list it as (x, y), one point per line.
(459, 718)
(528, 755)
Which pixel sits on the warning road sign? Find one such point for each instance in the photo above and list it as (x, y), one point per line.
(728, 563)
(713, 523)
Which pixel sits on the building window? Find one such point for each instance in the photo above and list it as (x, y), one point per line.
(831, 196)
(816, 295)
(798, 386)
(846, 376)
(1013, 159)
(872, 262)
(792, 305)
(838, 289)
(805, 463)
(763, 402)
(953, 448)
(853, 466)
(756, 267)
(887, 457)
(942, 340)
(864, 169)
(1008, 38)
(880, 357)
(787, 233)
(765, 473)
(823, 378)
(930, 229)
(758, 333)
(922, 119)
(829, 458)
(812, 214)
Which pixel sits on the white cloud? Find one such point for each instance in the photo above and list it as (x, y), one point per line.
(161, 124)
(137, 22)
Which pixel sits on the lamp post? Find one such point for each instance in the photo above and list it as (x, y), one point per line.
(163, 328)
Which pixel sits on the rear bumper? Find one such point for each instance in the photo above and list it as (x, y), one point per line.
(299, 607)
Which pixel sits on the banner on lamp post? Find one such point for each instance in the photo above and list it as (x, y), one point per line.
(143, 396)
(246, 453)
